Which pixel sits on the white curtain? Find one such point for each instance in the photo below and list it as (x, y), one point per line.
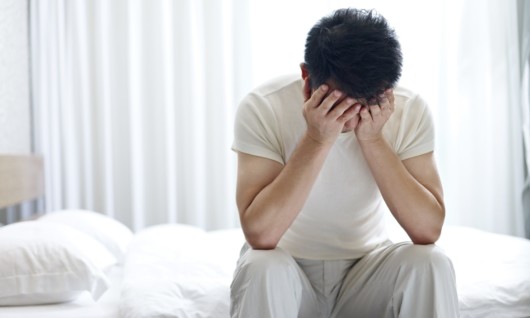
(134, 103)
(479, 113)
(524, 43)
(135, 99)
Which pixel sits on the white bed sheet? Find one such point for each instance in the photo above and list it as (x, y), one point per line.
(83, 307)
(182, 272)
(492, 272)
(179, 271)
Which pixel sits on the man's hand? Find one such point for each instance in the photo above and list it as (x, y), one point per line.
(326, 115)
(412, 191)
(372, 118)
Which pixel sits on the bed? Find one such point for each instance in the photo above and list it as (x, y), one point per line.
(177, 270)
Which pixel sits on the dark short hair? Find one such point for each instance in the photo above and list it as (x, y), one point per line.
(356, 50)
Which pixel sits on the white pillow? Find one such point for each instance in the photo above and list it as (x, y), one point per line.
(112, 234)
(44, 262)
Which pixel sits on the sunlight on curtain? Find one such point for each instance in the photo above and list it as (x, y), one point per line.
(135, 99)
(524, 42)
(135, 103)
(482, 145)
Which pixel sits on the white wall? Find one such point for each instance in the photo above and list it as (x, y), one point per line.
(15, 117)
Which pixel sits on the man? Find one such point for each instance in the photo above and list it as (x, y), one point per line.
(320, 160)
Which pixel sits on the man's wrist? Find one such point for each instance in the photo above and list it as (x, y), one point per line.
(373, 141)
(316, 142)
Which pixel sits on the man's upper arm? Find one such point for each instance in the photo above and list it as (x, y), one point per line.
(423, 169)
(253, 175)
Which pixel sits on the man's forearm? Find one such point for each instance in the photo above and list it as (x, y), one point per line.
(419, 211)
(274, 209)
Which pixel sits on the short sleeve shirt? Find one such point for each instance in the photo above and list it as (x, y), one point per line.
(344, 215)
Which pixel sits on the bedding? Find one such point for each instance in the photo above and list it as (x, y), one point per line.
(110, 233)
(493, 272)
(64, 264)
(82, 307)
(44, 263)
(181, 271)
(176, 270)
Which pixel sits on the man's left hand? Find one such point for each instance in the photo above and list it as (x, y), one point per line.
(372, 118)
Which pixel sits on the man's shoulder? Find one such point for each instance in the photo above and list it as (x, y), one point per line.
(273, 99)
(408, 100)
(405, 93)
(286, 84)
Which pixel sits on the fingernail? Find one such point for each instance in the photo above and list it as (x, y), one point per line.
(324, 87)
(349, 100)
(337, 93)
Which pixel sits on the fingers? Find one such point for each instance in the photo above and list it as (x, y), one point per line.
(365, 113)
(370, 110)
(386, 100)
(307, 89)
(340, 109)
(351, 113)
(329, 101)
(319, 99)
(317, 96)
(391, 98)
(328, 104)
(382, 106)
(375, 111)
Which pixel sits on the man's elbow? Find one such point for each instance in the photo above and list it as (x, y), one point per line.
(426, 236)
(261, 241)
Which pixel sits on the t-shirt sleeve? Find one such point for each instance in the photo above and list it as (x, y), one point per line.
(416, 130)
(256, 130)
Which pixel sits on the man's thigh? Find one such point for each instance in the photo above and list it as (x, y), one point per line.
(398, 278)
(270, 283)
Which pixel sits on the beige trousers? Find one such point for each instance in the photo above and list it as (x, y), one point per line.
(396, 280)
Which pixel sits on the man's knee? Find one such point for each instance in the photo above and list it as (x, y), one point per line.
(263, 262)
(426, 260)
(426, 285)
(266, 283)
(426, 256)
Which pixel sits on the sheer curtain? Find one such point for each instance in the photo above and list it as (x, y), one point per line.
(480, 124)
(135, 99)
(134, 105)
(524, 44)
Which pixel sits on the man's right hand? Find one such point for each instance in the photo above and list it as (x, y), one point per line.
(326, 114)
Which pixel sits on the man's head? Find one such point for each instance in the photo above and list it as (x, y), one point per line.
(355, 51)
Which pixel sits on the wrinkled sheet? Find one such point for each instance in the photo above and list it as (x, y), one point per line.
(182, 271)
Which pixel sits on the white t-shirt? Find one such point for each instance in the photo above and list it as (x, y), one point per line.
(344, 215)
